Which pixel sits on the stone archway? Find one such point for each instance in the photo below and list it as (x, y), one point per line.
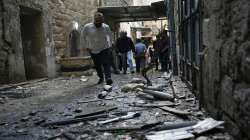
(73, 40)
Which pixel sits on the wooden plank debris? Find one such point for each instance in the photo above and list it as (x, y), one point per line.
(160, 95)
(185, 132)
(97, 100)
(10, 86)
(206, 125)
(153, 104)
(96, 111)
(175, 111)
(171, 135)
(130, 115)
(75, 120)
(129, 128)
(175, 125)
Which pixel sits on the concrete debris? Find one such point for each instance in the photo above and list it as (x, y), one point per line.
(155, 88)
(25, 119)
(19, 88)
(160, 95)
(203, 138)
(107, 88)
(185, 132)
(84, 79)
(130, 115)
(166, 75)
(102, 95)
(145, 96)
(131, 87)
(190, 99)
(78, 110)
(137, 81)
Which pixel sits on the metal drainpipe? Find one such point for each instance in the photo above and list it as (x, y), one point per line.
(170, 15)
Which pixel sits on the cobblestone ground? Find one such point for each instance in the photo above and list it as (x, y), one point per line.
(27, 107)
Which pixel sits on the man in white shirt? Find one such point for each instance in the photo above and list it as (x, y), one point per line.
(97, 41)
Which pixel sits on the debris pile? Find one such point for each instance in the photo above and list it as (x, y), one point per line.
(132, 109)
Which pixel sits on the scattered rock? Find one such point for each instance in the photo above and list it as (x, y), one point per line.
(107, 88)
(78, 110)
(138, 81)
(25, 119)
(203, 138)
(84, 79)
(33, 113)
(102, 95)
(131, 87)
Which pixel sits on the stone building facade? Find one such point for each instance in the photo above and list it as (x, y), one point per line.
(26, 43)
(226, 63)
(68, 17)
(223, 80)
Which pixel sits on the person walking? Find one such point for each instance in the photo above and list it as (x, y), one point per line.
(124, 44)
(97, 38)
(156, 46)
(140, 50)
(164, 53)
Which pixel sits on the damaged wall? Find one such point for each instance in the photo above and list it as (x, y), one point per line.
(12, 63)
(226, 63)
(65, 13)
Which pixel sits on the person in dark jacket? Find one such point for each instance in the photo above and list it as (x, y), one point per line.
(124, 44)
(164, 52)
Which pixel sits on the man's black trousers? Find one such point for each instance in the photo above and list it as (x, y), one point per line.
(102, 62)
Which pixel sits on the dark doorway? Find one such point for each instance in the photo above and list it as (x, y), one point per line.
(33, 43)
(74, 38)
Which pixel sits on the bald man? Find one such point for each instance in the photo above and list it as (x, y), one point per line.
(97, 41)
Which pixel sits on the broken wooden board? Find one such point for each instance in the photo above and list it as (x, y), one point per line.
(75, 120)
(206, 125)
(97, 100)
(175, 111)
(171, 135)
(7, 87)
(153, 104)
(130, 115)
(175, 125)
(160, 95)
(96, 111)
(129, 128)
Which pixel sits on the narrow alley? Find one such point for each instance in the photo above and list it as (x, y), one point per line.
(124, 69)
(31, 106)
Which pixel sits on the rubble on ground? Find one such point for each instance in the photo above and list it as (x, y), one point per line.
(125, 110)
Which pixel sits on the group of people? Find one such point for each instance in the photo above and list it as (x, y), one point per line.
(126, 49)
(97, 39)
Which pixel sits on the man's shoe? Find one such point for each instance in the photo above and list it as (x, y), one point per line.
(109, 82)
(100, 81)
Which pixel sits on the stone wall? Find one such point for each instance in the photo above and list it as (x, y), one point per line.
(64, 13)
(226, 66)
(12, 67)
